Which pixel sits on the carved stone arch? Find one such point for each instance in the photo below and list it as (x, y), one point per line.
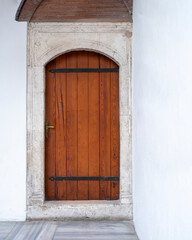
(109, 53)
(104, 49)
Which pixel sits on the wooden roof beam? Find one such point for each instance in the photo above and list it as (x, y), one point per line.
(60, 11)
(129, 5)
(26, 10)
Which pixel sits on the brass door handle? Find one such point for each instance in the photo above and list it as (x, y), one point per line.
(47, 127)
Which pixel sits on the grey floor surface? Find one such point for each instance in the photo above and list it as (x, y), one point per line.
(76, 230)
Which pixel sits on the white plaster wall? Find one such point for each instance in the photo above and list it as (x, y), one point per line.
(12, 113)
(162, 119)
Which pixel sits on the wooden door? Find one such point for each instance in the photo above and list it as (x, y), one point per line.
(82, 128)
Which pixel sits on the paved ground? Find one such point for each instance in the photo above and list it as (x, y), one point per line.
(76, 230)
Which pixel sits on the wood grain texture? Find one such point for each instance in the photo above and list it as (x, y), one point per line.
(115, 135)
(61, 130)
(83, 125)
(61, 11)
(94, 126)
(26, 9)
(84, 107)
(105, 128)
(72, 137)
(50, 116)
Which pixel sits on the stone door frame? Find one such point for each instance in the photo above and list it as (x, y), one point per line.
(45, 42)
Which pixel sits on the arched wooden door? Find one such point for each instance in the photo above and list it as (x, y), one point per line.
(82, 128)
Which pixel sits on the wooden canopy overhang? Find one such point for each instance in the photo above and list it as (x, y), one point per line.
(74, 10)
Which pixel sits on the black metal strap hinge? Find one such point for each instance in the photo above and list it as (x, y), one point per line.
(84, 70)
(84, 178)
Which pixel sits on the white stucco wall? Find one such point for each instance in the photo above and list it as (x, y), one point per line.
(162, 119)
(12, 113)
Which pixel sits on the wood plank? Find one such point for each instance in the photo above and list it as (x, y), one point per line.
(64, 16)
(88, 20)
(50, 142)
(129, 5)
(26, 9)
(84, 108)
(61, 129)
(105, 127)
(83, 127)
(81, 6)
(61, 11)
(90, 10)
(115, 137)
(94, 126)
(72, 126)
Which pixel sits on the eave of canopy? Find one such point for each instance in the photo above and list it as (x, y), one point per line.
(74, 10)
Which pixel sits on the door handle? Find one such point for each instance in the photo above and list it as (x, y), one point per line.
(47, 127)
